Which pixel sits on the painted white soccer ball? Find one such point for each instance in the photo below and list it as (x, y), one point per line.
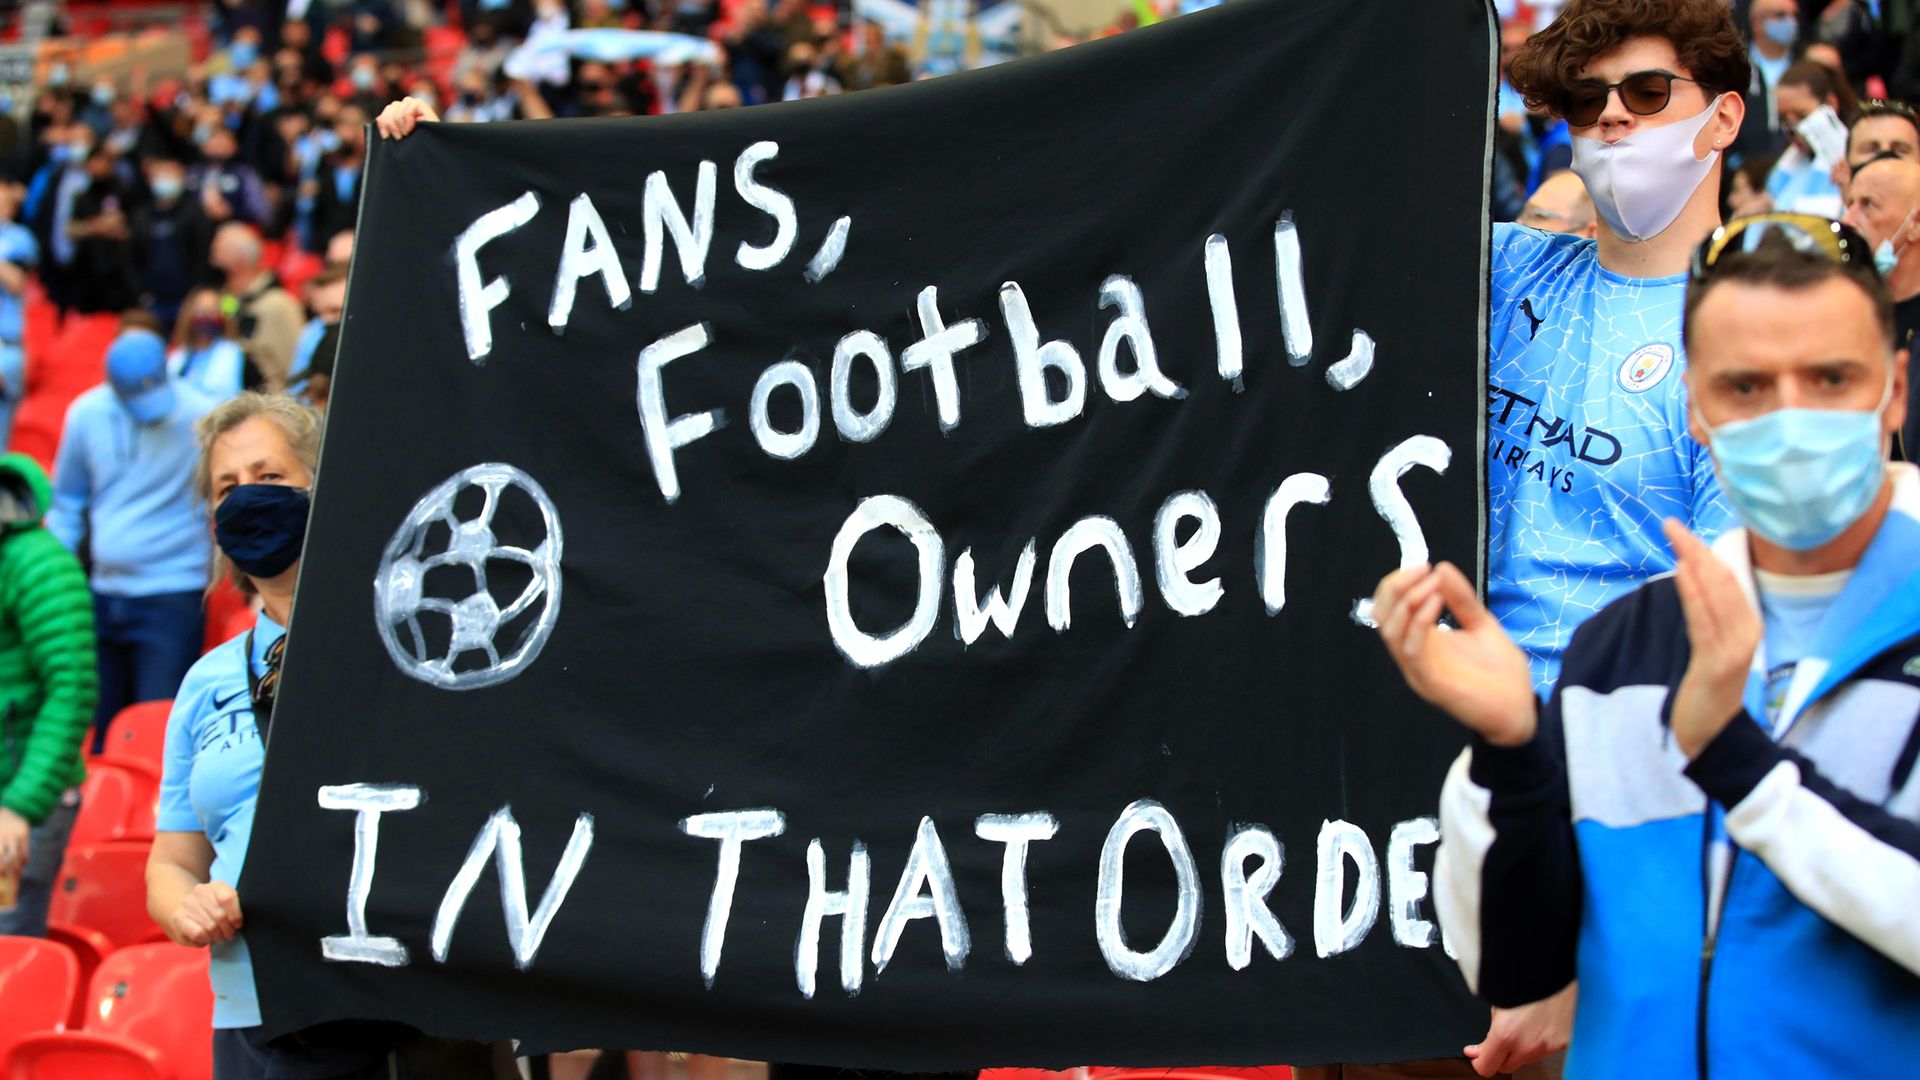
(473, 654)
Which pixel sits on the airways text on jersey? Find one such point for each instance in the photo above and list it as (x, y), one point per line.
(1515, 420)
(231, 729)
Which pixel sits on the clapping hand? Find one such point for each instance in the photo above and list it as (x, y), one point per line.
(1476, 673)
(1723, 631)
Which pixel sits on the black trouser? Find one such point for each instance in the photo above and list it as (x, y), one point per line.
(348, 1051)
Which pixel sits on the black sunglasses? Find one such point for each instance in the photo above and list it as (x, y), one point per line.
(1805, 234)
(1643, 93)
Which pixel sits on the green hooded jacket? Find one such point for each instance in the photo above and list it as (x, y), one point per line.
(48, 680)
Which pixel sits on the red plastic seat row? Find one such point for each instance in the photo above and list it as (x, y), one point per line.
(229, 612)
(89, 947)
(103, 887)
(122, 790)
(77, 357)
(79, 1055)
(64, 359)
(117, 802)
(147, 1013)
(1112, 1073)
(137, 733)
(39, 980)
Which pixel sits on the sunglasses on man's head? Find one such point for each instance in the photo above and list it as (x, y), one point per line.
(1806, 234)
(1887, 107)
(1643, 93)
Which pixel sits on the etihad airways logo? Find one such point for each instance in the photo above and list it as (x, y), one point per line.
(1523, 417)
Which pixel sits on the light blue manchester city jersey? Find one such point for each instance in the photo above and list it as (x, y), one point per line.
(1587, 444)
(210, 783)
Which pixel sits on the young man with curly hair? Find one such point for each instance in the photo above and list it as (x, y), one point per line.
(1588, 448)
(1587, 432)
(1587, 442)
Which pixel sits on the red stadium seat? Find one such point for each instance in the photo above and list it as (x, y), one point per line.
(104, 887)
(296, 268)
(79, 1055)
(38, 982)
(158, 996)
(224, 605)
(59, 369)
(89, 948)
(270, 251)
(1112, 1073)
(139, 733)
(41, 322)
(444, 39)
(116, 802)
(37, 424)
(78, 359)
(336, 45)
(1195, 1073)
(443, 45)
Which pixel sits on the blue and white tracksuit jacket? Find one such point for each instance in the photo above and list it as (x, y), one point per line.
(1590, 852)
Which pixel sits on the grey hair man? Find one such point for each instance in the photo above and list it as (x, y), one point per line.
(1561, 204)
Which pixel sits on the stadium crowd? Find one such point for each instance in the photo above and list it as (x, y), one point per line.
(208, 214)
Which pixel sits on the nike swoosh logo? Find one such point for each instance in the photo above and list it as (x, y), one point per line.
(219, 705)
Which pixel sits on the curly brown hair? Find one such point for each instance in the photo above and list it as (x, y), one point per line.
(1702, 32)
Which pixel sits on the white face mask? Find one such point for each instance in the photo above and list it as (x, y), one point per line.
(1641, 183)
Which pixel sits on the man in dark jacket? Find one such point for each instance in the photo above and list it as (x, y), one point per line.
(336, 186)
(1711, 821)
(102, 276)
(48, 683)
(179, 237)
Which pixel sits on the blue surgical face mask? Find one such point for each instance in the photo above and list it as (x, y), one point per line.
(102, 95)
(1782, 31)
(1884, 258)
(166, 188)
(243, 54)
(363, 78)
(1800, 477)
(261, 527)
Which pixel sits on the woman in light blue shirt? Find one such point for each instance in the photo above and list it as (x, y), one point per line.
(204, 352)
(257, 458)
(257, 455)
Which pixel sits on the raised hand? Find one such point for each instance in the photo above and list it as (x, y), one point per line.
(397, 120)
(1724, 631)
(1476, 673)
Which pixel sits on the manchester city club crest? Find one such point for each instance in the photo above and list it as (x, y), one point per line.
(1645, 367)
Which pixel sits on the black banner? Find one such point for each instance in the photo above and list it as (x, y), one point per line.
(874, 581)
